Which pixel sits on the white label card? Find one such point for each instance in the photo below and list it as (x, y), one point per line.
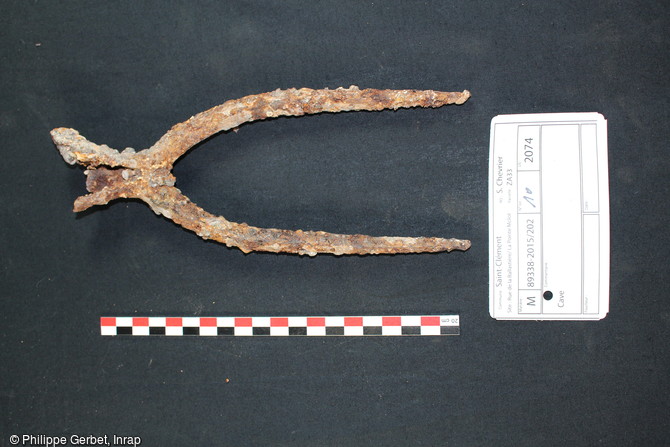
(549, 217)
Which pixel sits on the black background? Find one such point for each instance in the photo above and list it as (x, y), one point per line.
(122, 73)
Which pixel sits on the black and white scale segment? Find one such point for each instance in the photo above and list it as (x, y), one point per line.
(396, 325)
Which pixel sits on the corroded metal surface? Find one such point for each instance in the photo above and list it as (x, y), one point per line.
(146, 175)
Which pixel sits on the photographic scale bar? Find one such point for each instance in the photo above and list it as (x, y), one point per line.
(315, 326)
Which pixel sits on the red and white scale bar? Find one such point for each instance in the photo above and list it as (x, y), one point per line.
(398, 325)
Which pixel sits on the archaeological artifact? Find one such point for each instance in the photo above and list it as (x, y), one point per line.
(146, 175)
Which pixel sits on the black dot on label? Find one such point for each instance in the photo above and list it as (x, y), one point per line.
(547, 295)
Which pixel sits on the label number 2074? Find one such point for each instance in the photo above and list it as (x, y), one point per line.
(528, 151)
